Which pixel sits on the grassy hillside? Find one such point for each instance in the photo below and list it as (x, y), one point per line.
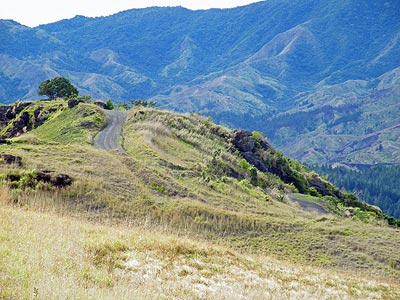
(44, 256)
(183, 175)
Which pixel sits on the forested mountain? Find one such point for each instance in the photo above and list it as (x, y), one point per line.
(377, 185)
(320, 78)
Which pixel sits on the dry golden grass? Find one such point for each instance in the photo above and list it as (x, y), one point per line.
(5, 197)
(43, 256)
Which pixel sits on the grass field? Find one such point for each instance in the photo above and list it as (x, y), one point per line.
(47, 256)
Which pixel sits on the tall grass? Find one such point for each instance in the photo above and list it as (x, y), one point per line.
(5, 197)
(43, 256)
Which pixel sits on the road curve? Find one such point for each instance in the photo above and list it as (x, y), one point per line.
(107, 139)
(308, 205)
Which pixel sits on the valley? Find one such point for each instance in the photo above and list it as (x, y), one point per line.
(168, 153)
(289, 69)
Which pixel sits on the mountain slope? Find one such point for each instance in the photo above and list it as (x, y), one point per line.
(355, 122)
(246, 67)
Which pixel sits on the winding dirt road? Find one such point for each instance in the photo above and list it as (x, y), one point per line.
(107, 139)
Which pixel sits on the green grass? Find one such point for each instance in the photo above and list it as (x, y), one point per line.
(63, 125)
(77, 125)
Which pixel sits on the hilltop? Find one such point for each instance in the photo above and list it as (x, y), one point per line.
(292, 69)
(242, 203)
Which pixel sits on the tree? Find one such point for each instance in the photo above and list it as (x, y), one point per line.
(57, 87)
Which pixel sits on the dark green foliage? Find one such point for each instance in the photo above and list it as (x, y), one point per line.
(377, 185)
(109, 105)
(313, 192)
(123, 106)
(58, 87)
(143, 103)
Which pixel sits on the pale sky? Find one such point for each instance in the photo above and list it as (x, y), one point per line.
(35, 12)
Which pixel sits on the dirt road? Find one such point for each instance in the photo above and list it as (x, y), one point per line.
(308, 205)
(107, 139)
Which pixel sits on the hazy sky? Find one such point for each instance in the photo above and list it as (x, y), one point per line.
(35, 12)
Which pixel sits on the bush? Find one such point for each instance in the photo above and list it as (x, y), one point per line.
(109, 105)
(257, 135)
(313, 192)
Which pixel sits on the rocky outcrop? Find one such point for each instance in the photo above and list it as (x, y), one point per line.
(21, 125)
(28, 179)
(324, 188)
(19, 118)
(19, 179)
(11, 159)
(74, 102)
(248, 146)
(9, 112)
(100, 104)
(61, 180)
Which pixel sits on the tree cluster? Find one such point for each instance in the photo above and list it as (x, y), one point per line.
(378, 185)
(58, 87)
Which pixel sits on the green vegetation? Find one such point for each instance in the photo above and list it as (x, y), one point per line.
(53, 122)
(179, 176)
(377, 185)
(143, 103)
(109, 105)
(58, 87)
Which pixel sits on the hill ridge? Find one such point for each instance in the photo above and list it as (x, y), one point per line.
(183, 174)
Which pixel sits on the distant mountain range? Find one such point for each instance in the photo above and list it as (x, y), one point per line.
(320, 78)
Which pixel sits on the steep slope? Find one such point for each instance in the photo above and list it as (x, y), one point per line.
(185, 174)
(248, 67)
(355, 123)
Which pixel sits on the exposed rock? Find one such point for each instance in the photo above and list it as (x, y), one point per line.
(221, 132)
(74, 102)
(8, 113)
(3, 115)
(20, 126)
(11, 159)
(18, 121)
(244, 141)
(100, 104)
(324, 188)
(87, 124)
(61, 180)
(39, 120)
(43, 177)
(247, 145)
(347, 213)
(256, 160)
(13, 177)
(4, 141)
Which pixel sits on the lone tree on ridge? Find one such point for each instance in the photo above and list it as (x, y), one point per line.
(57, 87)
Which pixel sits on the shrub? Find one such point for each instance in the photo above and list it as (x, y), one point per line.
(257, 135)
(313, 192)
(109, 105)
